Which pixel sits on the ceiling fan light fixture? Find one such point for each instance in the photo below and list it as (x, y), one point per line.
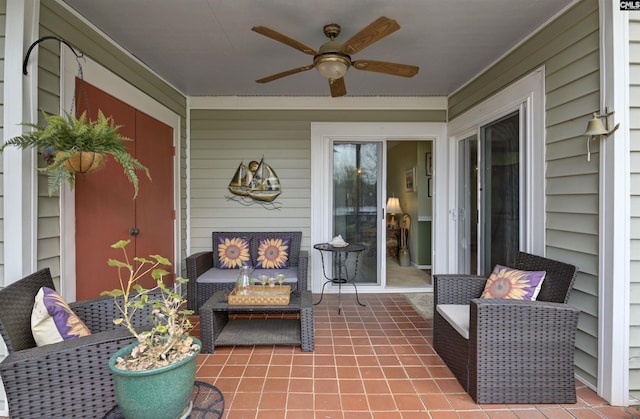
(332, 66)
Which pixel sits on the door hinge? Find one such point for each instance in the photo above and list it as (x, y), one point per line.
(173, 214)
(173, 150)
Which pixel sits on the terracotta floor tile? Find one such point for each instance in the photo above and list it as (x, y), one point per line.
(374, 387)
(299, 414)
(584, 413)
(462, 401)
(327, 402)
(473, 415)
(241, 414)
(387, 415)
(252, 384)
(436, 402)
(409, 402)
(373, 362)
(328, 414)
(351, 386)
(425, 386)
(358, 415)
(245, 400)
(272, 384)
(348, 372)
(301, 385)
(300, 401)
(382, 402)
(401, 386)
(270, 401)
(354, 402)
(447, 414)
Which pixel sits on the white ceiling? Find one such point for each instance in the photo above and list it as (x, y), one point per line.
(207, 48)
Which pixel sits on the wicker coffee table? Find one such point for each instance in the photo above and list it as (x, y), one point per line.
(219, 325)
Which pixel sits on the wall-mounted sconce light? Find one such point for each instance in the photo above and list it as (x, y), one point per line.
(595, 128)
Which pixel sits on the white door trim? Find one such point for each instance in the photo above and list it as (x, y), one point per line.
(322, 135)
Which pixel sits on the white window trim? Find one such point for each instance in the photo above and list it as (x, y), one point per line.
(530, 91)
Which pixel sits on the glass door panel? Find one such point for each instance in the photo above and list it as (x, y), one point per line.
(356, 204)
(489, 196)
(468, 208)
(500, 191)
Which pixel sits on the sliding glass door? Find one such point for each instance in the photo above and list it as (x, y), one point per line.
(489, 196)
(356, 203)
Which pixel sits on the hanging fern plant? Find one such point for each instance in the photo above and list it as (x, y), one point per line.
(66, 140)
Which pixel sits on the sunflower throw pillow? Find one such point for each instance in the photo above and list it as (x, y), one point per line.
(233, 252)
(273, 253)
(52, 320)
(505, 282)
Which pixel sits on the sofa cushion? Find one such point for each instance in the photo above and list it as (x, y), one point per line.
(457, 315)
(215, 275)
(52, 320)
(505, 282)
(233, 252)
(273, 253)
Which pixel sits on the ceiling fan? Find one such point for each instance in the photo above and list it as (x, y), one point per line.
(333, 59)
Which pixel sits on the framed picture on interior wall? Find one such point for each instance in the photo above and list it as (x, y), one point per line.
(427, 164)
(429, 187)
(409, 179)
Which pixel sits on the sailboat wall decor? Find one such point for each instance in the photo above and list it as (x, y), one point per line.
(257, 181)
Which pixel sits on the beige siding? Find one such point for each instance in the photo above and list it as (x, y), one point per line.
(568, 48)
(56, 20)
(220, 140)
(634, 95)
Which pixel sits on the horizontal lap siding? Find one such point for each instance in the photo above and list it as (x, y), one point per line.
(57, 20)
(221, 139)
(3, 348)
(634, 95)
(3, 27)
(568, 48)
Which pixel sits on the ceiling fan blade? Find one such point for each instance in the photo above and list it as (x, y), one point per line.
(277, 36)
(376, 30)
(385, 67)
(337, 87)
(284, 74)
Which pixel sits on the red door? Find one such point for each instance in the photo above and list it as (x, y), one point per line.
(104, 206)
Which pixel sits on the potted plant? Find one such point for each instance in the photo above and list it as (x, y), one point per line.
(76, 145)
(154, 376)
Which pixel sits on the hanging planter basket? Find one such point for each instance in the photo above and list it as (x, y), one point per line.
(83, 161)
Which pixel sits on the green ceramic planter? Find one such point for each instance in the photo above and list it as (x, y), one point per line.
(162, 393)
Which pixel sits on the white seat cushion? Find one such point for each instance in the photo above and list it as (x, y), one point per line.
(215, 275)
(457, 315)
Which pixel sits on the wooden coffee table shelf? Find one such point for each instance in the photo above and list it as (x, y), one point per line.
(220, 327)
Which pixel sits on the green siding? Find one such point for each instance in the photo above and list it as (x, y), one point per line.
(57, 20)
(634, 95)
(568, 48)
(3, 26)
(221, 139)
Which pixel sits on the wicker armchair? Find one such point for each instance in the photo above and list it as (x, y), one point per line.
(203, 262)
(66, 379)
(517, 351)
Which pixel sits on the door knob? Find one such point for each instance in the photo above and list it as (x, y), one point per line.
(134, 231)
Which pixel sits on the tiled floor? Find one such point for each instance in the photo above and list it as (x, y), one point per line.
(373, 362)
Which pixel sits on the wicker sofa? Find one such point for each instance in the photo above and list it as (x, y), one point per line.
(516, 351)
(60, 380)
(205, 278)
